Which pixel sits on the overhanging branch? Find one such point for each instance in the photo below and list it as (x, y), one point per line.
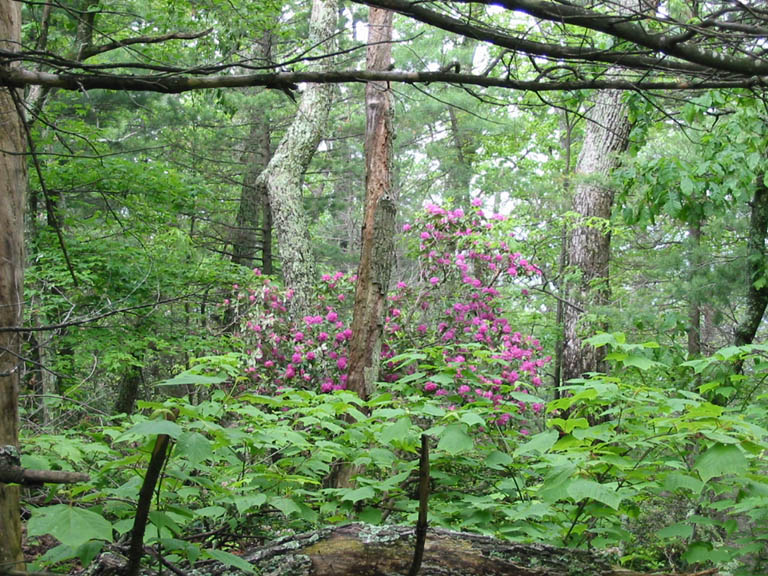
(19, 78)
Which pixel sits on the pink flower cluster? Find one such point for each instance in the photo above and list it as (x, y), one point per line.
(466, 260)
(308, 353)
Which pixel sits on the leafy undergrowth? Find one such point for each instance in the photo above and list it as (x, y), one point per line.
(660, 475)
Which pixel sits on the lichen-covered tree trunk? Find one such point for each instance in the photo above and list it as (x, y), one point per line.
(589, 244)
(377, 245)
(13, 181)
(253, 213)
(359, 549)
(757, 283)
(284, 175)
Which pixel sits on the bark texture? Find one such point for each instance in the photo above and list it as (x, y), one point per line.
(254, 220)
(283, 177)
(359, 549)
(377, 250)
(13, 180)
(757, 284)
(589, 244)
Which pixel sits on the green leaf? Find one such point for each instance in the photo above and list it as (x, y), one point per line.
(720, 460)
(581, 488)
(397, 431)
(229, 559)
(498, 460)
(69, 525)
(362, 493)
(678, 530)
(472, 419)
(455, 439)
(538, 443)
(640, 362)
(153, 428)
(194, 446)
(189, 377)
(249, 501)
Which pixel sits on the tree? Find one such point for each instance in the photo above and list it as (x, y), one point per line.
(284, 174)
(377, 246)
(589, 245)
(13, 181)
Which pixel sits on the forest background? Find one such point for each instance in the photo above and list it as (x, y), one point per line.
(562, 278)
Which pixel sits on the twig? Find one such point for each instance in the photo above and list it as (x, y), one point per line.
(421, 523)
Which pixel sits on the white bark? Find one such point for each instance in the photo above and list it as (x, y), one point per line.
(284, 174)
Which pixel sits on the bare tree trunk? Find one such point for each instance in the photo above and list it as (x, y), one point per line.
(590, 242)
(694, 299)
(254, 204)
(567, 144)
(757, 286)
(284, 175)
(13, 181)
(377, 252)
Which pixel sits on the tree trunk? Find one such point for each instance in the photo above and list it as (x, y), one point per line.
(590, 242)
(284, 175)
(253, 201)
(757, 283)
(13, 181)
(377, 251)
(387, 550)
(128, 392)
(694, 298)
(566, 142)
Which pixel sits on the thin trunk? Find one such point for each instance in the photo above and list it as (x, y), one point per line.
(13, 181)
(757, 284)
(284, 175)
(589, 244)
(377, 251)
(462, 169)
(567, 144)
(128, 392)
(694, 300)
(253, 202)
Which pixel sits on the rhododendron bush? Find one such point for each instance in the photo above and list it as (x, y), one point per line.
(447, 330)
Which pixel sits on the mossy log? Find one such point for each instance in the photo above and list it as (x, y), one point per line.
(364, 550)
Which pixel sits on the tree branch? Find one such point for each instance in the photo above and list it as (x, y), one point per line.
(20, 77)
(101, 49)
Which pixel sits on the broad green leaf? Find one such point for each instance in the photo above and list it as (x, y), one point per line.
(719, 460)
(229, 559)
(155, 427)
(538, 443)
(678, 530)
(455, 439)
(362, 493)
(285, 505)
(189, 377)
(581, 488)
(195, 446)
(498, 460)
(69, 525)
(396, 431)
(472, 419)
(249, 501)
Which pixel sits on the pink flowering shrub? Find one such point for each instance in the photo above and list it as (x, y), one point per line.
(454, 310)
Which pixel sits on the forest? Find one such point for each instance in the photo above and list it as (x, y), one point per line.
(429, 287)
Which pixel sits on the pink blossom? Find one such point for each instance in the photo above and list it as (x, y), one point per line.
(430, 387)
(323, 336)
(434, 280)
(406, 227)
(342, 363)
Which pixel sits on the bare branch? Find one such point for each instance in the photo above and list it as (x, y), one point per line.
(94, 50)
(19, 77)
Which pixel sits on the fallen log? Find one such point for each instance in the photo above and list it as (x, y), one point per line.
(11, 471)
(364, 550)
